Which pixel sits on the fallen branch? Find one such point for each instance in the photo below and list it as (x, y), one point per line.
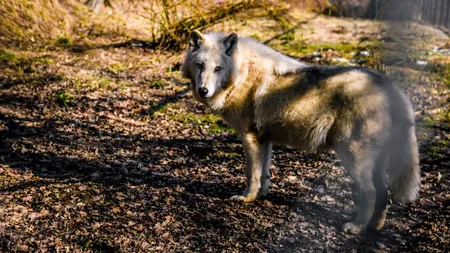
(175, 34)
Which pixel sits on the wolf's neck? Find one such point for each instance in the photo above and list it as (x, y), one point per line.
(227, 95)
(279, 63)
(258, 67)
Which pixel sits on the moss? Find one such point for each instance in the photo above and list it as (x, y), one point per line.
(63, 41)
(123, 85)
(443, 117)
(158, 84)
(211, 122)
(10, 9)
(304, 48)
(160, 109)
(229, 153)
(256, 37)
(116, 68)
(45, 61)
(8, 57)
(93, 83)
(63, 99)
(446, 76)
(429, 120)
(349, 51)
(104, 83)
(445, 143)
(289, 36)
(210, 118)
(16, 62)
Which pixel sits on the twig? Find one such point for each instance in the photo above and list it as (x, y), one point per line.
(445, 129)
(127, 121)
(290, 30)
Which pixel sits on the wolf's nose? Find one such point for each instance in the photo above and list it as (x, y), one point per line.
(202, 92)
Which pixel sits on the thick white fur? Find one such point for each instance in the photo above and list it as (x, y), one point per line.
(268, 97)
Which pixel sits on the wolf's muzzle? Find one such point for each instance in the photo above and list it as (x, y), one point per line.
(202, 92)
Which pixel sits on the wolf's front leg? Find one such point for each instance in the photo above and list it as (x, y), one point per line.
(265, 176)
(257, 156)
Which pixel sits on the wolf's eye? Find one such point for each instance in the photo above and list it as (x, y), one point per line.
(218, 68)
(200, 65)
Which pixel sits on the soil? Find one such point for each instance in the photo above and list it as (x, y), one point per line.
(103, 149)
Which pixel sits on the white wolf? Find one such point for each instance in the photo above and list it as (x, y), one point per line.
(268, 98)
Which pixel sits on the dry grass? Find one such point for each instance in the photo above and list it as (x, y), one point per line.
(161, 22)
(23, 22)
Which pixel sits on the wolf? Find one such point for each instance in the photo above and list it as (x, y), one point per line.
(268, 98)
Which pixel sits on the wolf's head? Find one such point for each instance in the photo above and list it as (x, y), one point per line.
(209, 62)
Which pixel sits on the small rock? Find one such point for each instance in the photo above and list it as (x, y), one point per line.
(439, 176)
(23, 247)
(145, 245)
(421, 63)
(292, 178)
(364, 53)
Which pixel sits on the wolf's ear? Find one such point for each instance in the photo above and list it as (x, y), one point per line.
(230, 43)
(196, 40)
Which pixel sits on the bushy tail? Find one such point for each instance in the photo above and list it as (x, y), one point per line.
(403, 164)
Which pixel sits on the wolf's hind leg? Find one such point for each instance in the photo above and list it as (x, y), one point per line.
(379, 180)
(360, 165)
(254, 157)
(365, 208)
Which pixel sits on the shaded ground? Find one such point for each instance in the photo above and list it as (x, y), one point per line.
(103, 149)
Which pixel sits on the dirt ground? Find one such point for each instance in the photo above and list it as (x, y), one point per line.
(103, 149)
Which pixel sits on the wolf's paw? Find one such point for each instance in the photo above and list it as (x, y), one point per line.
(376, 225)
(262, 194)
(352, 228)
(243, 198)
(377, 222)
